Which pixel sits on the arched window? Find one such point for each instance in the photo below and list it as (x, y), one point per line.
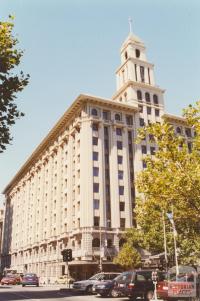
(126, 55)
(122, 242)
(96, 243)
(117, 117)
(137, 53)
(120, 99)
(125, 96)
(147, 97)
(94, 112)
(155, 99)
(178, 130)
(139, 95)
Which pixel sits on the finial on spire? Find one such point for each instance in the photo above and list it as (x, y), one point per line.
(130, 24)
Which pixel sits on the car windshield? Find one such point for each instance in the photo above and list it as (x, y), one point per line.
(29, 275)
(97, 277)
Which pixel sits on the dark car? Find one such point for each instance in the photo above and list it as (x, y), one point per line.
(30, 279)
(131, 284)
(107, 288)
(86, 286)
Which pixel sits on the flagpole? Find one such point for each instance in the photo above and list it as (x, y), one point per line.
(171, 219)
(165, 240)
(175, 246)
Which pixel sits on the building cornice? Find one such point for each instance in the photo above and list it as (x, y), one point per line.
(137, 85)
(134, 60)
(174, 118)
(62, 123)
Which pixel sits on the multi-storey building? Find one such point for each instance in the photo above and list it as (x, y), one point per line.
(1, 225)
(76, 189)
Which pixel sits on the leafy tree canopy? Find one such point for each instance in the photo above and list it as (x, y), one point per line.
(10, 82)
(171, 180)
(128, 257)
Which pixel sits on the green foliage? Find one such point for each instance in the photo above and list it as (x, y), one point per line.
(10, 84)
(171, 180)
(128, 257)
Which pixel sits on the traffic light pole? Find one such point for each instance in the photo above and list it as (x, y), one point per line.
(67, 265)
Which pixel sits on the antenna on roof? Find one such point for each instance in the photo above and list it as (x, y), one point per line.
(130, 24)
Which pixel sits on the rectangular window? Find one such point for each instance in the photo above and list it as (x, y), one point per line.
(149, 76)
(119, 144)
(119, 159)
(107, 159)
(96, 187)
(94, 140)
(105, 131)
(95, 171)
(189, 147)
(108, 189)
(106, 115)
(122, 222)
(120, 174)
(157, 112)
(188, 132)
(130, 136)
(96, 221)
(141, 121)
(144, 164)
(144, 149)
(142, 73)
(122, 206)
(152, 150)
(106, 144)
(96, 204)
(95, 127)
(149, 110)
(95, 156)
(151, 138)
(129, 119)
(119, 131)
(121, 190)
(135, 72)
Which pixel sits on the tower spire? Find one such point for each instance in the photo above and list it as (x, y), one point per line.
(130, 24)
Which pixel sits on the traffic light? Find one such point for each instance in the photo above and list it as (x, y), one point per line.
(67, 255)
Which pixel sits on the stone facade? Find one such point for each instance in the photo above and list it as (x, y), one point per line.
(76, 190)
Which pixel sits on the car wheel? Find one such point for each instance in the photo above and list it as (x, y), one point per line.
(114, 293)
(23, 285)
(149, 295)
(89, 289)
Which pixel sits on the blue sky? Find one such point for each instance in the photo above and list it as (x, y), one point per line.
(72, 47)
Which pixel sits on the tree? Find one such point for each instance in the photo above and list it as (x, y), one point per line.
(171, 180)
(10, 83)
(128, 257)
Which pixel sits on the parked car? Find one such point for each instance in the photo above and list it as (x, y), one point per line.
(64, 279)
(11, 279)
(30, 279)
(131, 284)
(86, 286)
(107, 288)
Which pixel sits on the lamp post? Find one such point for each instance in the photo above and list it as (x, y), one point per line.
(100, 258)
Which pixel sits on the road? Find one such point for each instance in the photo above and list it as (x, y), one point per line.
(50, 293)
